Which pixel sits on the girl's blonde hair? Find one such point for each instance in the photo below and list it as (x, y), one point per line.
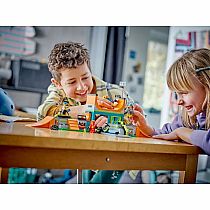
(180, 78)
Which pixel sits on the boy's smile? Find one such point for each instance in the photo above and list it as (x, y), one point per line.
(81, 93)
(76, 82)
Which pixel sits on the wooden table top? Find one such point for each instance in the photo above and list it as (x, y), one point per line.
(17, 134)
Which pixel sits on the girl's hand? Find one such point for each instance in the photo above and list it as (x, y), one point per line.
(138, 116)
(171, 136)
(179, 133)
(140, 120)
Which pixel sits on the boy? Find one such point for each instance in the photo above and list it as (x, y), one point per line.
(69, 64)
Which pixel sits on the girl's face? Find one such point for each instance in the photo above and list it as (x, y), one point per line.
(192, 101)
(76, 82)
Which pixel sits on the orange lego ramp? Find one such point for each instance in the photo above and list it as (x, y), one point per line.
(120, 106)
(47, 122)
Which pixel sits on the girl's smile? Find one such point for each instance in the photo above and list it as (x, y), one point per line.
(193, 100)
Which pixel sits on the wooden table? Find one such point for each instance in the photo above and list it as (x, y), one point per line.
(27, 147)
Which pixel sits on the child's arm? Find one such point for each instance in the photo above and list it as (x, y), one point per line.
(141, 122)
(53, 110)
(53, 100)
(200, 138)
(148, 130)
(179, 133)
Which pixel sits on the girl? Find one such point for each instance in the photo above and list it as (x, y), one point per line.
(189, 77)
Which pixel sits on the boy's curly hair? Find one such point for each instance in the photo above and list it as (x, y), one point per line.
(67, 55)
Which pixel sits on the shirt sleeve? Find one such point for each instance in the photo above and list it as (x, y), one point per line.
(53, 110)
(169, 127)
(54, 98)
(201, 138)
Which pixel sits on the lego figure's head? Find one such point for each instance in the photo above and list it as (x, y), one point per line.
(69, 65)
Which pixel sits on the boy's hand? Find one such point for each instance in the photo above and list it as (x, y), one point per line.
(105, 103)
(101, 121)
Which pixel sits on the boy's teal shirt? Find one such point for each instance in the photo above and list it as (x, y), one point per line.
(103, 88)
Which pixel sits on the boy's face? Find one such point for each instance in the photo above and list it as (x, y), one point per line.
(76, 82)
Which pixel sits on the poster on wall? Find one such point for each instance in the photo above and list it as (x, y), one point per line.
(192, 40)
(183, 45)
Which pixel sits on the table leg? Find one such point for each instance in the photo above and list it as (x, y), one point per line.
(181, 177)
(79, 176)
(189, 175)
(4, 172)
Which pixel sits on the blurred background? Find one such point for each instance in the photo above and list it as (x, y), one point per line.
(140, 56)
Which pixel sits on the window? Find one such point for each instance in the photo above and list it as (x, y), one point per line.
(154, 75)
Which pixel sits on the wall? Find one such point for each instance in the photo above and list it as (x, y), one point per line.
(47, 37)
